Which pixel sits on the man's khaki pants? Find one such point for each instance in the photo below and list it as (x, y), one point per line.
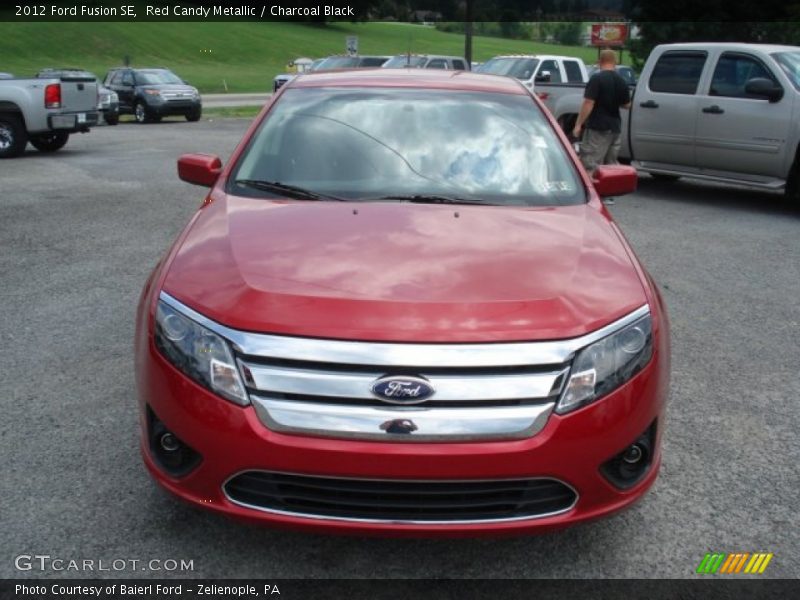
(599, 148)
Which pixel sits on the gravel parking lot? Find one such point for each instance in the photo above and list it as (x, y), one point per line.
(81, 229)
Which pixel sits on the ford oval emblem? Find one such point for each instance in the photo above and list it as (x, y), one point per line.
(397, 389)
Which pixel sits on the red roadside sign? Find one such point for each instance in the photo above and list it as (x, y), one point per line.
(609, 34)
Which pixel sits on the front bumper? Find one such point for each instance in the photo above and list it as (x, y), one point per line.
(166, 108)
(570, 448)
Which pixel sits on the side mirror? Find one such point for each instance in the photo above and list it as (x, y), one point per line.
(766, 88)
(543, 77)
(200, 169)
(614, 180)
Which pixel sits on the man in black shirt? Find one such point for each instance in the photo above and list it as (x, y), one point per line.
(605, 94)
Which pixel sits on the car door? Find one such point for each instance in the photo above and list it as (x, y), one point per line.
(123, 85)
(664, 116)
(738, 132)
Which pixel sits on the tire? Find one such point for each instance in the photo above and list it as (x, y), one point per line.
(13, 137)
(112, 119)
(567, 123)
(141, 114)
(664, 177)
(195, 115)
(50, 142)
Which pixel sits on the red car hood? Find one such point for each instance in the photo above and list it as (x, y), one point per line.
(404, 272)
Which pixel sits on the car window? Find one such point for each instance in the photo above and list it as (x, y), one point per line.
(372, 61)
(521, 68)
(339, 62)
(789, 62)
(127, 78)
(403, 60)
(459, 65)
(550, 66)
(677, 72)
(732, 73)
(156, 77)
(573, 71)
(436, 63)
(370, 143)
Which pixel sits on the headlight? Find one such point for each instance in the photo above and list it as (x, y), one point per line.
(150, 92)
(199, 353)
(608, 363)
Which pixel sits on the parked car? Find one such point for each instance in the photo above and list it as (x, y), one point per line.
(535, 69)
(721, 112)
(107, 100)
(44, 112)
(150, 94)
(426, 61)
(6, 76)
(627, 73)
(403, 309)
(331, 63)
(300, 65)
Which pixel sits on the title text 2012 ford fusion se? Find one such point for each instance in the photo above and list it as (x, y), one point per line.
(403, 309)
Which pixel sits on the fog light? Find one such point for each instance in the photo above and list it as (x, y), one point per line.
(629, 466)
(169, 452)
(631, 456)
(169, 443)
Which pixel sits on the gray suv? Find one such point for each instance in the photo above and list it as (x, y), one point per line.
(150, 94)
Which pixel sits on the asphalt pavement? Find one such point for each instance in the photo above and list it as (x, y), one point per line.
(81, 229)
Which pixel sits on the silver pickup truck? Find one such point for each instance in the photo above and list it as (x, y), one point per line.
(44, 112)
(718, 111)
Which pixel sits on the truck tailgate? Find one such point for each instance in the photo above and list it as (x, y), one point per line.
(78, 94)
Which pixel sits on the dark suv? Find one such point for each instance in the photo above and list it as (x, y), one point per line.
(150, 94)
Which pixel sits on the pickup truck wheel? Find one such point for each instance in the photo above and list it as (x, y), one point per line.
(112, 119)
(792, 190)
(50, 142)
(140, 113)
(13, 137)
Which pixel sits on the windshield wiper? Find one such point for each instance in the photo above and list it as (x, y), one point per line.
(292, 191)
(431, 199)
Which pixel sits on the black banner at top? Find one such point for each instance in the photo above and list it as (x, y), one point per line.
(405, 10)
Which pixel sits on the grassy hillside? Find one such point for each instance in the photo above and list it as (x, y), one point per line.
(245, 55)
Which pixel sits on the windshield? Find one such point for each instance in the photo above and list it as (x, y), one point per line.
(366, 144)
(399, 62)
(521, 68)
(156, 77)
(337, 62)
(790, 63)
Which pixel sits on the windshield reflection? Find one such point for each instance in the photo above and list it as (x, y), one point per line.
(373, 143)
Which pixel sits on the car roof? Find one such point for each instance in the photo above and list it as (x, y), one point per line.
(450, 56)
(410, 78)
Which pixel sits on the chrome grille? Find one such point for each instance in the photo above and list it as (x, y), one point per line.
(324, 387)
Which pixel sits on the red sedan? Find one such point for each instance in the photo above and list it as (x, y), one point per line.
(403, 309)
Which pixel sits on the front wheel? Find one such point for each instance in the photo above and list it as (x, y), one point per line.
(112, 118)
(13, 137)
(50, 142)
(195, 115)
(140, 113)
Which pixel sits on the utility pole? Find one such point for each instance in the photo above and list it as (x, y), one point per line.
(468, 32)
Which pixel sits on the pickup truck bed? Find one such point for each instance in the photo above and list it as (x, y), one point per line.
(44, 112)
